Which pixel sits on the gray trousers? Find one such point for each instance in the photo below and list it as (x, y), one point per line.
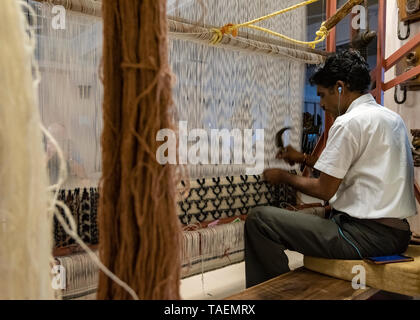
(271, 230)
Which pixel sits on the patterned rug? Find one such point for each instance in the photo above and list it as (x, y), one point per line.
(212, 214)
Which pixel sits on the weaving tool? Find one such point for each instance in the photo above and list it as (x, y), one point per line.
(279, 138)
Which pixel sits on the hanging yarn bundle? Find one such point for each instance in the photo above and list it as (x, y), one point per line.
(25, 226)
(138, 227)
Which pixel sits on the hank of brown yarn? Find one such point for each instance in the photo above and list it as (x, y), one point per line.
(138, 225)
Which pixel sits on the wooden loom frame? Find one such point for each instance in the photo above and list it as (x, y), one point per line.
(378, 74)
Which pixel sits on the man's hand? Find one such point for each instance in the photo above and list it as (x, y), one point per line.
(276, 176)
(290, 155)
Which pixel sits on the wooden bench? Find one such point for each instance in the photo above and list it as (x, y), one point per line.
(400, 278)
(303, 284)
(329, 279)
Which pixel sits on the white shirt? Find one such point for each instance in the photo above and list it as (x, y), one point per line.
(368, 147)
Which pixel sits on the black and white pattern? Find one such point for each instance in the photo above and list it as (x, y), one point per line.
(223, 197)
(207, 200)
(83, 206)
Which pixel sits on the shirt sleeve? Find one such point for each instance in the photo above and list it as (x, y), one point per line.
(339, 153)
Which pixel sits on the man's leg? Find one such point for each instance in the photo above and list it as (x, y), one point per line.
(270, 230)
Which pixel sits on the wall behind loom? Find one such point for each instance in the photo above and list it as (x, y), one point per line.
(410, 110)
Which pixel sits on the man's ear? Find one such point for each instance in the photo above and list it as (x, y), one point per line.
(340, 84)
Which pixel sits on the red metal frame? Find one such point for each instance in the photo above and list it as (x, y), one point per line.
(380, 70)
(385, 64)
(331, 47)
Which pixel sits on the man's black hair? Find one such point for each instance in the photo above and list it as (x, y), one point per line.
(348, 66)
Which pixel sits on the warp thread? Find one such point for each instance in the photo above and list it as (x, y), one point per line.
(67, 221)
(208, 248)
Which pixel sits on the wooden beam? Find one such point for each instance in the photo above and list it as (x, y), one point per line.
(337, 15)
(89, 7)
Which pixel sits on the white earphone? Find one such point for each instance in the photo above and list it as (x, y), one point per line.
(340, 89)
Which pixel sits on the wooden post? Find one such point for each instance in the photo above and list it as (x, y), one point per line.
(336, 16)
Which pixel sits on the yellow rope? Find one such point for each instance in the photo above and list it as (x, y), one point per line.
(296, 6)
(321, 35)
(233, 28)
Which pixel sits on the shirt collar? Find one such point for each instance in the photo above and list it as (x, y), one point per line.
(366, 98)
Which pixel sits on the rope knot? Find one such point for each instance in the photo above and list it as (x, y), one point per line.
(229, 29)
(321, 34)
(226, 29)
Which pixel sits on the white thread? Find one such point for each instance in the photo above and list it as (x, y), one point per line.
(72, 230)
(26, 235)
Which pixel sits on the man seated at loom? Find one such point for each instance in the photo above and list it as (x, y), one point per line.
(366, 174)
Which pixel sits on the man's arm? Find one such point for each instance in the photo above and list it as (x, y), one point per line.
(323, 187)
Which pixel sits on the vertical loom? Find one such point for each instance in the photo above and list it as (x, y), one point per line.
(225, 86)
(248, 82)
